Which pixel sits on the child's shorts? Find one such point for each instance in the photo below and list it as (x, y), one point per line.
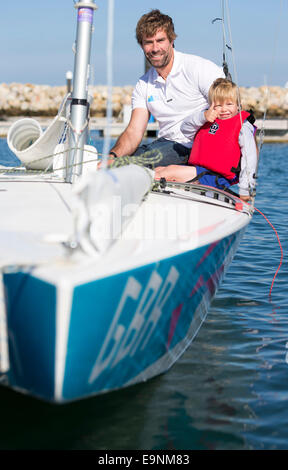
(214, 180)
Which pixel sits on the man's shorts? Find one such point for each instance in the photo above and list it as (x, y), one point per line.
(163, 152)
(214, 180)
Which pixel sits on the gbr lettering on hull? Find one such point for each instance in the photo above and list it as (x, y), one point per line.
(128, 338)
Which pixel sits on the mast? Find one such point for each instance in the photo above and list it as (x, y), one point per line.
(80, 104)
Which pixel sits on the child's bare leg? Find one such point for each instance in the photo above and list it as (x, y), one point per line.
(178, 173)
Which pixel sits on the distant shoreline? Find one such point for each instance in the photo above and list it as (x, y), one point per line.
(17, 99)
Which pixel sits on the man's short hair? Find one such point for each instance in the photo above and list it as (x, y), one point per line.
(149, 24)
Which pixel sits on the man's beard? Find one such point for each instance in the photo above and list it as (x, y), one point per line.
(165, 59)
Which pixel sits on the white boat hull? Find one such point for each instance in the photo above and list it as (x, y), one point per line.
(76, 326)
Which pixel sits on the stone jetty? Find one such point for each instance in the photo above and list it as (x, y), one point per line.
(18, 99)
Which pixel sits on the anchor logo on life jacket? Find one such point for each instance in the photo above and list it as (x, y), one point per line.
(214, 128)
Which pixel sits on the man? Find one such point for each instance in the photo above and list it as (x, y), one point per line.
(174, 87)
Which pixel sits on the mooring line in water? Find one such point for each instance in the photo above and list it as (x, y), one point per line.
(281, 249)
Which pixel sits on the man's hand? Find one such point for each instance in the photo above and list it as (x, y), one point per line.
(109, 161)
(211, 114)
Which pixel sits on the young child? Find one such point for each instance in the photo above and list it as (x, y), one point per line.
(224, 150)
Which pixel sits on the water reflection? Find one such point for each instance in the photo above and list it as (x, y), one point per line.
(229, 390)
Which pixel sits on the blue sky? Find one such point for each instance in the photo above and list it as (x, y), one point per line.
(37, 38)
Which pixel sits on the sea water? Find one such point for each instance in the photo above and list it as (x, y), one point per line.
(228, 391)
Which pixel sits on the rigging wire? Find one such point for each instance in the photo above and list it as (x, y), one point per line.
(109, 54)
(229, 77)
(248, 171)
(224, 41)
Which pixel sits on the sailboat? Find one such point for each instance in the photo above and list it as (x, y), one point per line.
(107, 275)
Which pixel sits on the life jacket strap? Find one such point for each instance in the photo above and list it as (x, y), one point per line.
(212, 173)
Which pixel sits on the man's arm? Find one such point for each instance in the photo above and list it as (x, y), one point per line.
(130, 139)
(192, 123)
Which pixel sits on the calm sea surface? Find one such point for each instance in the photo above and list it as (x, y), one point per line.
(228, 391)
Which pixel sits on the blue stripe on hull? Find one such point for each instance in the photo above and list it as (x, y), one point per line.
(31, 327)
(120, 326)
(103, 355)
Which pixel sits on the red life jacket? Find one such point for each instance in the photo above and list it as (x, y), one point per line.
(216, 146)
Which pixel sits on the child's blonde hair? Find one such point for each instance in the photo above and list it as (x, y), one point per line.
(221, 90)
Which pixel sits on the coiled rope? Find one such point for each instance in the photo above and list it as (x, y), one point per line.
(146, 159)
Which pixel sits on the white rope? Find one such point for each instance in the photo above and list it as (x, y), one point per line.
(109, 110)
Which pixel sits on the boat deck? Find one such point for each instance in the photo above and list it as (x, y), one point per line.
(38, 218)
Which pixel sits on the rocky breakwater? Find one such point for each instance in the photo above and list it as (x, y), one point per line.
(273, 99)
(18, 99)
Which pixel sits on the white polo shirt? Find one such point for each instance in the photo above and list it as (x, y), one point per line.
(172, 100)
